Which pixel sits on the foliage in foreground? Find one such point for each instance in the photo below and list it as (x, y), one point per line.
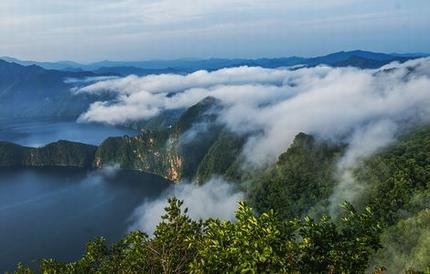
(250, 244)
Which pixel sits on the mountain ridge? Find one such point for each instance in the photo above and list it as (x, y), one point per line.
(193, 64)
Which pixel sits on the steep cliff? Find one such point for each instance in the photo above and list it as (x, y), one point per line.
(172, 153)
(150, 151)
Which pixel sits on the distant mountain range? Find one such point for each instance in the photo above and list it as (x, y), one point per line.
(357, 58)
(40, 89)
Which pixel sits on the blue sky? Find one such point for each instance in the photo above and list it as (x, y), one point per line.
(91, 30)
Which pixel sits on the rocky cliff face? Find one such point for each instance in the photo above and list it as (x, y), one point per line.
(173, 153)
(151, 151)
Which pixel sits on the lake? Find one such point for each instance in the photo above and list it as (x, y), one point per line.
(53, 212)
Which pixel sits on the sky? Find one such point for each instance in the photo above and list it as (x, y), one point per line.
(93, 30)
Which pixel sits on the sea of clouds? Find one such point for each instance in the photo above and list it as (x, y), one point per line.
(364, 108)
(277, 103)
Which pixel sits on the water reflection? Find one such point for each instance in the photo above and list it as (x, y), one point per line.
(52, 212)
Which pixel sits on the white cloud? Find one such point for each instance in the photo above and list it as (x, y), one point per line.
(363, 142)
(144, 97)
(365, 108)
(277, 103)
(215, 199)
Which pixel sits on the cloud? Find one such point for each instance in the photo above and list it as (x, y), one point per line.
(100, 175)
(145, 97)
(277, 103)
(363, 142)
(141, 29)
(363, 108)
(215, 199)
(87, 80)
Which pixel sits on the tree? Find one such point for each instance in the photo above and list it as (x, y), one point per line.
(252, 243)
(266, 244)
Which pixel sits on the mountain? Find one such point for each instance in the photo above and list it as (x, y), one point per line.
(361, 62)
(300, 180)
(343, 55)
(60, 65)
(32, 91)
(61, 153)
(396, 188)
(355, 58)
(222, 158)
(128, 70)
(182, 66)
(172, 153)
(412, 55)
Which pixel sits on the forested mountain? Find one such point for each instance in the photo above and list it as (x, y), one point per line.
(32, 91)
(173, 153)
(397, 189)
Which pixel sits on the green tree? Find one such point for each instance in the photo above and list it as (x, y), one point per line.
(267, 244)
(174, 242)
(252, 243)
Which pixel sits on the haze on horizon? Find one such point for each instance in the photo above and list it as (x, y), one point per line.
(92, 30)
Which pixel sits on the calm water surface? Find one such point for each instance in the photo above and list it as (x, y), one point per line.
(53, 212)
(38, 133)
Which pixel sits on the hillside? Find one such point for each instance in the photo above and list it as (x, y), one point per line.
(32, 91)
(172, 153)
(61, 153)
(396, 188)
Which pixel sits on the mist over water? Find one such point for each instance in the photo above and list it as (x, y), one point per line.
(53, 212)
